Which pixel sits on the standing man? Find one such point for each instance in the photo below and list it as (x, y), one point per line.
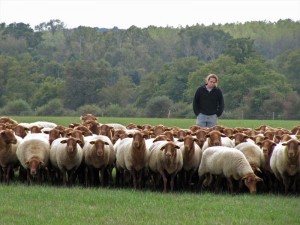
(208, 103)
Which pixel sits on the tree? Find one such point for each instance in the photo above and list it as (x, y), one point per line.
(240, 49)
(158, 107)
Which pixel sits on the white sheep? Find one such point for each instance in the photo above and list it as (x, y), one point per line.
(285, 162)
(132, 155)
(66, 156)
(165, 159)
(228, 162)
(33, 154)
(99, 155)
(254, 155)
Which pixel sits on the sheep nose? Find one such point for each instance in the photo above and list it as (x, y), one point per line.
(33, 172)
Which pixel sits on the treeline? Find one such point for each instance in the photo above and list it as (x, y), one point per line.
(149, 72)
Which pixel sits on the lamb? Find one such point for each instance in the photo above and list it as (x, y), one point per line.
(8, 157)
(132, 155)
(66, 155)
(33, 154)
(285, 162)
(228, 162)
(165, 159)
(99, 155)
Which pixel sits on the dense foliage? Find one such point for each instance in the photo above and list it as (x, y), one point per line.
(152, 72)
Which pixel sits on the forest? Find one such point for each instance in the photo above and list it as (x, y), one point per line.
(50, 70)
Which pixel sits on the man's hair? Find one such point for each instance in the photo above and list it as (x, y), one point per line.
(212, 76)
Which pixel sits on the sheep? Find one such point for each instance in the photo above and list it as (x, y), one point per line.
(8, 157)
(240, 137)
(33, 154)
(228, 162)
(99, 155)
(88, 117)
(20, 131)
(191, 154)
(285, 162)
(66, 155)
(165, 159)
(216, 138)
(132, 155)
(253, 154)
(267, 147)
(200, 134)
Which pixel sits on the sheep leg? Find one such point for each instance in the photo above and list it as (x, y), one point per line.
(172, 181)
(133, 176)
(165, 180)
(287, 182)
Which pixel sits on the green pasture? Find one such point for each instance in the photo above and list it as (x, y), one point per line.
(22, 204)
(182, 123)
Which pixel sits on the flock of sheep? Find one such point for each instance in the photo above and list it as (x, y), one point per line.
(238, 159)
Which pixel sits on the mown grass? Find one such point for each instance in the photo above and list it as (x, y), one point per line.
(182, 123)
(22, 204)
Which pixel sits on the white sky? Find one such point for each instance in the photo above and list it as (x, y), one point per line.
(143, 13)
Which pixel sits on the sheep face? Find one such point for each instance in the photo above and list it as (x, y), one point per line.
(99, 147)
(54, 134)
(170, 150)
(240, 138)
(201, 136)
(189, 143)
(71, 144)
(138, 140)
(34, 165)
(292, 147)
(214, 138)
(8, 137)
(267, 146)
(250, 181)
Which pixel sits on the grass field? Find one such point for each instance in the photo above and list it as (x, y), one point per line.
(22, 204)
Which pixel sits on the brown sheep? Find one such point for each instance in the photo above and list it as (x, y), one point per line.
(8, 157)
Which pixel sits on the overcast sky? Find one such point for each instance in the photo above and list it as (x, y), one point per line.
(143, 13)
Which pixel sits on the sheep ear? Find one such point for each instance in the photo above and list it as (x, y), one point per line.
(79, 141)
(42, 163)
(258, 179)
(258, 169)
(245, 177)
